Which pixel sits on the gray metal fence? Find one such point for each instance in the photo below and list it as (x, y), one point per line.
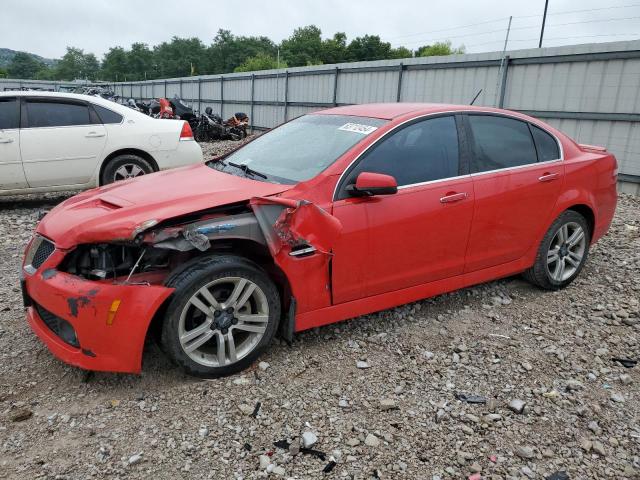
(591, 92)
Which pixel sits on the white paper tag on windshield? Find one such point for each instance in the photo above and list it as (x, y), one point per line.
(358, 128)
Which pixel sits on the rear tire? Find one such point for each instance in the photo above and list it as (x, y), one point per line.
(123, 167)
(562, 252)
(223, 314)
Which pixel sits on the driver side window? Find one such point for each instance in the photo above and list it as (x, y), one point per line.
(421, 152)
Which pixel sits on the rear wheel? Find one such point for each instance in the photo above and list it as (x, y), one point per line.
(224, 313)
(562, 253)
(123, 167)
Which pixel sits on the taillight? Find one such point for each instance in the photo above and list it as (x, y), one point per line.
(186, 133)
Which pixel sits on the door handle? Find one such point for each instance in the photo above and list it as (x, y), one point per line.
(453, 197)
(548, 177)
(6, 140)
(94, 134)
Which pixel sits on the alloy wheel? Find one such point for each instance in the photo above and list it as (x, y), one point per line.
(223, 321)
(128, 170)
(566, 251)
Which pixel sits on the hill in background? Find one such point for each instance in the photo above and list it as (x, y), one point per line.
(6, 55)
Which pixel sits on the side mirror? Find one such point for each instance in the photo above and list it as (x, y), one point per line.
(369, 184)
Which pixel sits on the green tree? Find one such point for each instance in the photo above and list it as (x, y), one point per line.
(3, 73)
(304, 47)
(227, 52)
(180, 57)
(24, 65)
(368, 47)
(140, 61)
(334, 50)
(439, 48)
(400, 52)
(262, 61)
(76, 65)
(114, 64)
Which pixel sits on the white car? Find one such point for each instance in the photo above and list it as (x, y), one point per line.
(52, 141)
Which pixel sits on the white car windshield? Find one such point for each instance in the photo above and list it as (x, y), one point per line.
(299, 149)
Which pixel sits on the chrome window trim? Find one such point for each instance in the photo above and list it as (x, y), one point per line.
(516, 167)
(429, 182)
(426, 115)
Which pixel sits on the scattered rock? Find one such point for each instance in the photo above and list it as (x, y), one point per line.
(309, 439)
(371, 440)
(525, 452)
(516, 406)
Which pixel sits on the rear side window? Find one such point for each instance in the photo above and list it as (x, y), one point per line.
(545, 144)
(422, 152)
(500, 142)
(56, 114)
(107, 116)
(9, 113)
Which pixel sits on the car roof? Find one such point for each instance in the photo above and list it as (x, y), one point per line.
(74, 96)
(389, 111)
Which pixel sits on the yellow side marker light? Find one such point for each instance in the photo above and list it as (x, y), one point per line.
(112, 311)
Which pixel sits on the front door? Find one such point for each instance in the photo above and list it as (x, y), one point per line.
(11, 173)
(415, 236)
(517, 174)
(61, 142)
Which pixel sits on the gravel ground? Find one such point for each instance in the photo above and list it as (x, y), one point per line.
(376, 395)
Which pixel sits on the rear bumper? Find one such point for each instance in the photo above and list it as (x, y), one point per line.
(114, 346)
(187, 152)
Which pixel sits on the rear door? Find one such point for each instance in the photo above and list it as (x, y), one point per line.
(61, 141)
(517, 174)
(415, 236)
(11, 173)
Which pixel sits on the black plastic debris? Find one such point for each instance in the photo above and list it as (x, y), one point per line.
(247, 447)
(470, 398)
(626, 362)
(256, 410)
(283, 444)
(329, 466)
(558, 476)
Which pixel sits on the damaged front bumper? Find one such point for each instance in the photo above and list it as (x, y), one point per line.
(94, 325)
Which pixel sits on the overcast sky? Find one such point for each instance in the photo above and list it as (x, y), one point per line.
(46, 28)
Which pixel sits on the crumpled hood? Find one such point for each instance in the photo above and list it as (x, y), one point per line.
(115, 211)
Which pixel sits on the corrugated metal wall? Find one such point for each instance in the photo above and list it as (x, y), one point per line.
(592, 92)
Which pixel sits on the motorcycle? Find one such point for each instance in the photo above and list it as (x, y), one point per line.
(238, 124)
(184, 112)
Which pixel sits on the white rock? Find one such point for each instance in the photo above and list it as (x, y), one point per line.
(136, 458)
(371, 440)
(242, 381)
(362, 364)
(263, 365)
(279, 471)
(617, 397)
(203, 432)
(516, 405)
(387, 404)
(265, 461)
(309, 439)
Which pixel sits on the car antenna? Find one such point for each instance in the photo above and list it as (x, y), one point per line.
(476, 97)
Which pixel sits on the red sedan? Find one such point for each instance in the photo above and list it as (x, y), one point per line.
(330, 216)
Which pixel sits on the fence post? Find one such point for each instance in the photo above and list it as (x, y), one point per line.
(165, 89)
(335, 87)
(253, 79)
(199, 94)
(221, 96)
(503, 82)
(180, 88)
(286, 93)
(399, 93)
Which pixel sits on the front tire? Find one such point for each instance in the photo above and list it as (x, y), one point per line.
(562, 253)
(224, 313)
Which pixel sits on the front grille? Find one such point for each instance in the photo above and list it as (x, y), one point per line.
(59, 326)
(44, 250)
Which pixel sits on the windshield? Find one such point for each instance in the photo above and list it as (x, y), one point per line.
(300, 149)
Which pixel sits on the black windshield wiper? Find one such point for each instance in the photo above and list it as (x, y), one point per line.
(246, 169)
